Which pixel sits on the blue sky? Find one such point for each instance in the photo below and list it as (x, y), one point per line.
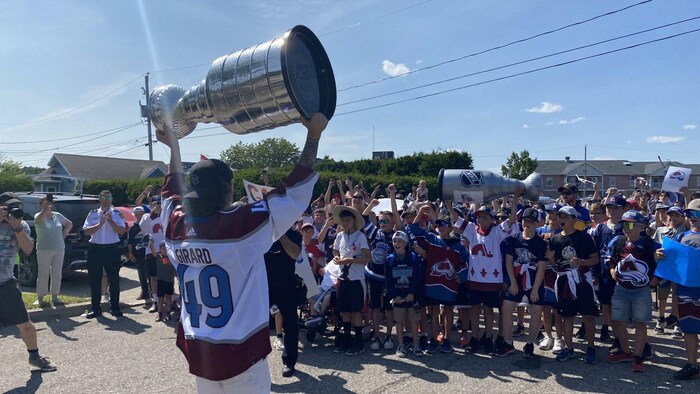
(58, 61)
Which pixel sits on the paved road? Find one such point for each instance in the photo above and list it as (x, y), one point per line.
(134, 353)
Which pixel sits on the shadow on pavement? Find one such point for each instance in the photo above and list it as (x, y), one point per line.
(32, 385)
(61, 326)
(305, 383)
(123, 324)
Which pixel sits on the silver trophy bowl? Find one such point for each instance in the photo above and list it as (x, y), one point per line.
(258, 88)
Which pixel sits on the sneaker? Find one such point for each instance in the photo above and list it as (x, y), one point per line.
(677, 333)
(432, 346)
(105, 298)
(314, 322)
(689, 371)
(418, 351)
(591, 355)
(401, 350)
(638, 364)
(116, 312)
(176, 308)
(92, 314)
(375, 344)
(547, 343)
(42, 364)
(472, 346)
(671, 321)
(446, 346)
(57, 301)
(41, 303)
(619, 357)
(142, 296)
(457, 325)
(388, 343)
(581, 333)
(558, 346)
(153, 309)
(565, 354)
(529, 350)
(505, 349)
(605, 336)
(659, 329)
(648, 352)
(615, 347)
(519, 330)
(355, 349)
(287, 371)
(279, 343)
(540, 337)
(159, 318)
(498, 342)
(487, 344)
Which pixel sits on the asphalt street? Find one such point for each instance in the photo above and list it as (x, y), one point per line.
(136, 354)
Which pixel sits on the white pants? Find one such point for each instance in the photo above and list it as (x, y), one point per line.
(49, 262)
(253, 381)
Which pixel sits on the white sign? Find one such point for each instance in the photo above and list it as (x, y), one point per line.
(675, 179)
(254, 191)
(384, 205)
(303, 269)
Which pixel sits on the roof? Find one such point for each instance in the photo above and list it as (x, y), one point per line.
(608, 167)
(95, 167)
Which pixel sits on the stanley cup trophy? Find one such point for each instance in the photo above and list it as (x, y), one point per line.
(474, 186)
(258, 88)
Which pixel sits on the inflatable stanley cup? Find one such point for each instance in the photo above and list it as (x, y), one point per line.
(470, 186)
(261, 87)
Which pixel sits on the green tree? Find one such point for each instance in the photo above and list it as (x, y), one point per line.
(272, 152)
(9, 167)
(12, 179)
(519, 165)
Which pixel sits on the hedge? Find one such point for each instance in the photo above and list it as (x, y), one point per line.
(15, 183)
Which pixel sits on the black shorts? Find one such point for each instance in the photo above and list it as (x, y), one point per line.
(351, 296)
(490, 299)
(165, 288)
(462, 300)
(524, 296)
(377, 296)
(606, 288)
(151, 265)
(584, 303)
(12, 309)
(429, 301)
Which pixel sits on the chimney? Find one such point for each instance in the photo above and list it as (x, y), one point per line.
(567, 159)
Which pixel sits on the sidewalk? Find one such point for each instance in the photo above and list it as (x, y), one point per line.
(77, 284)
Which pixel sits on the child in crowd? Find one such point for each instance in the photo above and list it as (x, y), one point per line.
(166, 284)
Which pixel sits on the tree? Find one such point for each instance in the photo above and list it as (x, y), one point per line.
(12, 179)
(273, 152)
(9, 167)
(519, 166)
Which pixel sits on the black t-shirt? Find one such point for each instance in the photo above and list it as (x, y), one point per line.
(524, 251)
(135, 235)
(566, 247)
(280, 267)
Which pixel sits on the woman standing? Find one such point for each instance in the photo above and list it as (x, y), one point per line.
(51, 230)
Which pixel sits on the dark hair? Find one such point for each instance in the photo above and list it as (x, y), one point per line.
(210, 205)
(346, 213)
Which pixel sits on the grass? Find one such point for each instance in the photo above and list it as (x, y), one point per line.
(29, 299)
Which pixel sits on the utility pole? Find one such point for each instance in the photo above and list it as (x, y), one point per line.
(145, 113)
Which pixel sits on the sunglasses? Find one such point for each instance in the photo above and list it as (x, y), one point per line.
(693, 214)
(501, 218)
(566, 193)
(628, 225)
(442, 224)
(106, 198)
(384, 221)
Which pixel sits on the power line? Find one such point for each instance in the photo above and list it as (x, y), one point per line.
(497, 47)
(519, 62)
(76, 108)
(126, 150)
(520, 73)
(374, 19)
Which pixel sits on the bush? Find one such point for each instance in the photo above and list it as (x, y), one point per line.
(15, 183)
(123, 191)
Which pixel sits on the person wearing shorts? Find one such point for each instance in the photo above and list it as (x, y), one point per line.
(630, 259)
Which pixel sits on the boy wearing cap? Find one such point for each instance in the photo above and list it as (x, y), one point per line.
(574, 254)
(351, 252)
(689, 297)
(630, 260)
(525, 266)
(403, 287)
(569, 196)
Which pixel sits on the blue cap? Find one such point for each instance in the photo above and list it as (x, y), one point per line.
(617, 200)
(676, 209)
(632, 216)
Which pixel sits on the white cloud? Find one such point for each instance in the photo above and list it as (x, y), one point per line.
(563, 122)
(419, 61)
(546, 108)
(690, 127)
(394, 70)
(550, 123)
(663, 139)
(526, 126)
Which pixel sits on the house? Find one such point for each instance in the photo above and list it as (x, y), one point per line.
(65, 171)
(606, 173)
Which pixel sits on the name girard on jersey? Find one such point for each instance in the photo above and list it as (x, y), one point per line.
(193, 256)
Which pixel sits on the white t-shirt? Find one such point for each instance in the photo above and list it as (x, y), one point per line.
(331, 274)
(350, 246)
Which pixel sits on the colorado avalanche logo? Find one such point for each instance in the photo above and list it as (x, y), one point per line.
(680, 175)
(443, 268)
(524, 256)
(632, 271)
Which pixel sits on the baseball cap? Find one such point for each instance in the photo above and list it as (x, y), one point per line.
(206, 177)
(568, 187)
(306, 225)
(486, 209)
(138, 209)
(676, 209)
(568, 210)
(410, 211)
(617, 200)
(532, 214)
(9, 198)
(442, 220)
(632, 216)
(155, 198)
(694, 205)
(400, 235)
(660, 206)
(634, 204)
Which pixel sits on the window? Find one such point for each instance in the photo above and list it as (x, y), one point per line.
(630, 183)
(550, 181)
(51, 189)
(697, 181)
(612, 181)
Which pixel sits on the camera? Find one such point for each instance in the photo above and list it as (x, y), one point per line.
(17, 213)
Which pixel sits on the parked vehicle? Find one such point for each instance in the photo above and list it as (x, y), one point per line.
(75, 208)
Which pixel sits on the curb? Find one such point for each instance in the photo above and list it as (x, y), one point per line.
(71, 310)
